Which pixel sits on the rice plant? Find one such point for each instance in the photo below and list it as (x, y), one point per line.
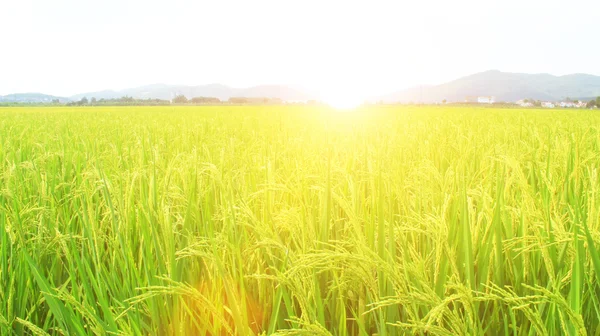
(299, 221)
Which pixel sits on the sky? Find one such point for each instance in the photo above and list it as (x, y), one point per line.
(357, 48)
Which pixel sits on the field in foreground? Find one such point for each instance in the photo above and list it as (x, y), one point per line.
(299, 221)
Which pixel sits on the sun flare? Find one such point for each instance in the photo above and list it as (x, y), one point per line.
(344, 103)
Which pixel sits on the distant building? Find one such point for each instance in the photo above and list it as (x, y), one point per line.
(486, 100)
(566, 104)
(548, 104)
(480, 99)
(524, 103)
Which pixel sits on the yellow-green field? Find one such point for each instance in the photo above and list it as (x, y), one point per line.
(299, 221)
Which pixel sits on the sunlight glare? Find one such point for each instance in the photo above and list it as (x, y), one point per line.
(343, 103)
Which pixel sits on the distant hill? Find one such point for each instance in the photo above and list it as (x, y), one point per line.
(164, 91)
(504, 86)
(31, 98)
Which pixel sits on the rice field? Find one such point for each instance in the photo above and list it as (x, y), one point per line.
(299, 221)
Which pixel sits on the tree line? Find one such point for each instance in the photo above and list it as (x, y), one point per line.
(590, 104)
(123, 101)
(181, 100)
(177, 100)
(594, 103)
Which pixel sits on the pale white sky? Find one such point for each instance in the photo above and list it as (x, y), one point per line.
(63, 47)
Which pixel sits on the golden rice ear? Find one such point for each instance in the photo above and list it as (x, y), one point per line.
(218, 307)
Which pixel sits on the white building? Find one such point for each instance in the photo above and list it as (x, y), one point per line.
(548, 104)
(566, 104)
(522, 103)
(486, 100)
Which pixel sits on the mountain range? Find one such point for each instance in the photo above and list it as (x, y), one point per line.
(167, 92)
(504, 86)
(31, 98)
(164, 91)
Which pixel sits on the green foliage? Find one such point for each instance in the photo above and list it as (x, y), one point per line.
(205, 100)
(130, 101)
(180, 99)
(299, 221)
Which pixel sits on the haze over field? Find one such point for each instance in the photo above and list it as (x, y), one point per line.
(505, 87)
(342, 50)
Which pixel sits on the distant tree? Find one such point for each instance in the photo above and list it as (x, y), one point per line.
(55, 101)
(238, 100)
(444, 101)
(83, 101)
(525, 100)
(591, 104)
(598, 101)
(180, 99)
(93, 101)
(205, 100)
